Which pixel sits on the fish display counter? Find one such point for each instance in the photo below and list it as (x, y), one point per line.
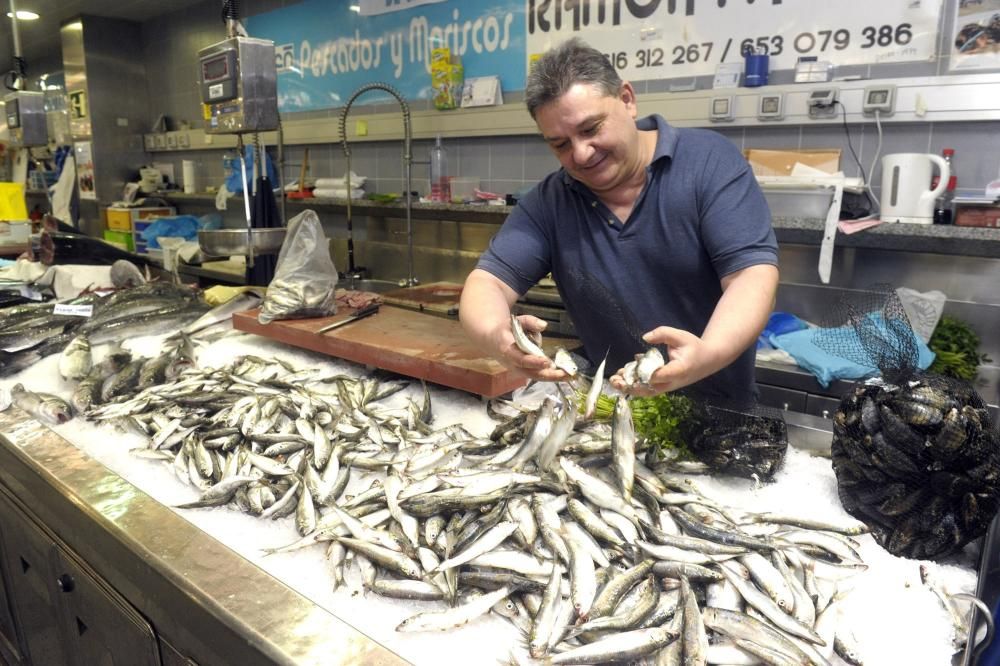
(251, 572)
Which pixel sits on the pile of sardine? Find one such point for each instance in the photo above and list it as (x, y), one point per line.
(919, 463)
(551, 521)
(144, 310)
(30, 332)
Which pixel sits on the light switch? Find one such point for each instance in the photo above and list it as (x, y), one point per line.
(361, 127)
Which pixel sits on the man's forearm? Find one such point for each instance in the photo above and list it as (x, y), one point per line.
(741, 314)
(485, 306)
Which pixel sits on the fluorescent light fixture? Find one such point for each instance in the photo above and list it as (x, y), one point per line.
(24, 15)
(354, 8)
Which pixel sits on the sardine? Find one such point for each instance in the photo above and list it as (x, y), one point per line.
(521, 339)
(623, 446)
(647, 364)
(564, 361)
(595, 390)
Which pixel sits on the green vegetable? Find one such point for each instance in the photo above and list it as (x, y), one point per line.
(957, 349)
(658, 418)
(382, 198)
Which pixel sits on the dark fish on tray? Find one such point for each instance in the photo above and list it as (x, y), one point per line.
(146, 324)
(30, 335)
(122, 381)
(12, 363)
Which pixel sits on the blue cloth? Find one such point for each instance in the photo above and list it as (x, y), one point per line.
(179, 226)
(700, 217)
(777, 324)
(234, 181)
(828, 367)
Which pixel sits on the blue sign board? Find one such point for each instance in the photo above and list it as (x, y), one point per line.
(325, 50)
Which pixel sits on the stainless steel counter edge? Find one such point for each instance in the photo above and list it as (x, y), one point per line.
(208, 601)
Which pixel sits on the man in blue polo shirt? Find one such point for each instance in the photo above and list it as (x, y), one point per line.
(654, 236)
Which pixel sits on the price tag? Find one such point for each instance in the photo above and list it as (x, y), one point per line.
(73, 310)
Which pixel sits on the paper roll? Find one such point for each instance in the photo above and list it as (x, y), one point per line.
(187, 173)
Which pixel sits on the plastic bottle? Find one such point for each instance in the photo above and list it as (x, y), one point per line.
(440, 185)
(945, 204)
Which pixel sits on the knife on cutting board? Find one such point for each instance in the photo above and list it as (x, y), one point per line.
(366, 311)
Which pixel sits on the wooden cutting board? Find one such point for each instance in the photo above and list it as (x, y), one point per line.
(438, 297)
(400, 340)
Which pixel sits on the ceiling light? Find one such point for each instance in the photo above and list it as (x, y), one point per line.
(24, 15)
(354, 8)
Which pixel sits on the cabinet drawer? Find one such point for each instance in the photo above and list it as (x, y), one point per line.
(782, 398)
(821, 405)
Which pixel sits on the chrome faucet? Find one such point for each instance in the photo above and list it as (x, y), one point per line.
(407, 167)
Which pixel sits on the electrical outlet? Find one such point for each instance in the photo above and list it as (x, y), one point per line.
(822, 102)
(721, 109)
(771, 107)
(881, 98)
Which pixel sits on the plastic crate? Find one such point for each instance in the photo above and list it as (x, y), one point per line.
(120, 239)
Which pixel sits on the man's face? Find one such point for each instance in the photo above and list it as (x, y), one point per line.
(593, 135)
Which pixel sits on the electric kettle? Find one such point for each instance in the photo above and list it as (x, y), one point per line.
(906, 193)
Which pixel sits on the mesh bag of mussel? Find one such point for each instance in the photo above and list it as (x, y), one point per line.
(915, 454)
(738, 440)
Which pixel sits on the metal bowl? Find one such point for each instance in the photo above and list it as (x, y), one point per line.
(224, 242)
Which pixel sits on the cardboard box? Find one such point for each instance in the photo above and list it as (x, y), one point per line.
(121, 219)
(970, 215)
(780, 162)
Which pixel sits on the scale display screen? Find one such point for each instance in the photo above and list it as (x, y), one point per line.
(214, 69)
(13, 116)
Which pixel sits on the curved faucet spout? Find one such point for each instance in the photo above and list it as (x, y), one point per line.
(407, 170)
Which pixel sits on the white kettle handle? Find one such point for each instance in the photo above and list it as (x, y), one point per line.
(943, 179)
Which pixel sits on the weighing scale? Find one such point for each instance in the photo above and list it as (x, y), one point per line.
(239, 89)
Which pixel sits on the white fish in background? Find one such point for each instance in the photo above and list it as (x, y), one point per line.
(76, 360)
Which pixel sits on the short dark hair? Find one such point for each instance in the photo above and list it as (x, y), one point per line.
(559, 69)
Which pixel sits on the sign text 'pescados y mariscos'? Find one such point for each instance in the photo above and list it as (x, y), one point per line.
(484, 34)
